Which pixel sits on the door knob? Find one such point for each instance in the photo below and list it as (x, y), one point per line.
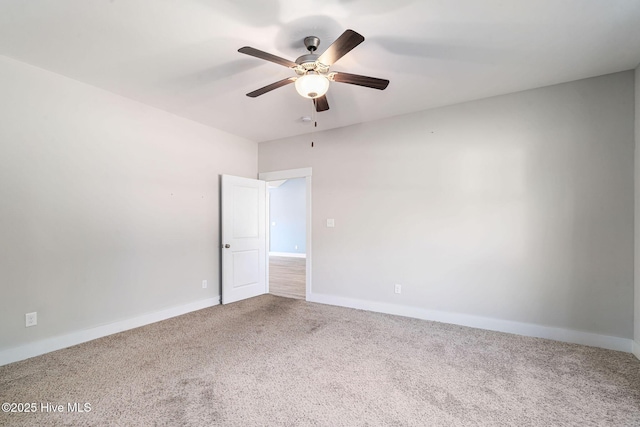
(227, 246)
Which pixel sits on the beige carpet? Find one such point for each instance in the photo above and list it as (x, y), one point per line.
(286, 362)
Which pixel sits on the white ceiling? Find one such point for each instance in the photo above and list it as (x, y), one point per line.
(181, 56)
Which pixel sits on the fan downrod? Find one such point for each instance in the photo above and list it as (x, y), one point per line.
(308, 62)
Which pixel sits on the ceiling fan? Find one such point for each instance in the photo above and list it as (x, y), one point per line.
(312, 70)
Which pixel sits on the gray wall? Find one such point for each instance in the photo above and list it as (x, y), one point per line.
(108, 208)
(517, 207)
(637, 214)
(287, 209)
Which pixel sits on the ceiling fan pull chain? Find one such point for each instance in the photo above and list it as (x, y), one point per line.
(315, 125)
(315, 120)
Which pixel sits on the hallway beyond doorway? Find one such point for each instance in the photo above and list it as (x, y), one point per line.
(287, 276)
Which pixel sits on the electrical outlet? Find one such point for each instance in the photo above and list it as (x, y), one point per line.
(204, 284)
(31, 319)
(397, 288)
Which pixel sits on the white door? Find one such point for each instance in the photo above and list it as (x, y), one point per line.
(243, 238)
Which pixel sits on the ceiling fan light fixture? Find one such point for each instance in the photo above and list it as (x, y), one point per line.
(312, 70)
(312, 85)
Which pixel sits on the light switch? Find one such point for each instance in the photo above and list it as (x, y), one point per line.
(331, 222)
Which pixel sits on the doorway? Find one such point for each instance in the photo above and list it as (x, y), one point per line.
(289, 232)
(287, 237)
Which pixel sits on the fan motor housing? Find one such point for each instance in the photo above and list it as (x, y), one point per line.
(308, 61)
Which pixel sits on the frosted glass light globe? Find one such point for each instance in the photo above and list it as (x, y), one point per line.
(312, 85)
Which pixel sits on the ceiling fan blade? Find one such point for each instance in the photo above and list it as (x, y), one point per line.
(356, 79)
(343, 45)
(272, 86)
(267, 56)
(321, 103)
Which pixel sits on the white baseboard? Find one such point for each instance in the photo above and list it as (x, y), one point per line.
(63, 341)
(566, 335)
(288, 254)
(518, 328)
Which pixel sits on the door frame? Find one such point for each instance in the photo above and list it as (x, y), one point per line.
(289, 174)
